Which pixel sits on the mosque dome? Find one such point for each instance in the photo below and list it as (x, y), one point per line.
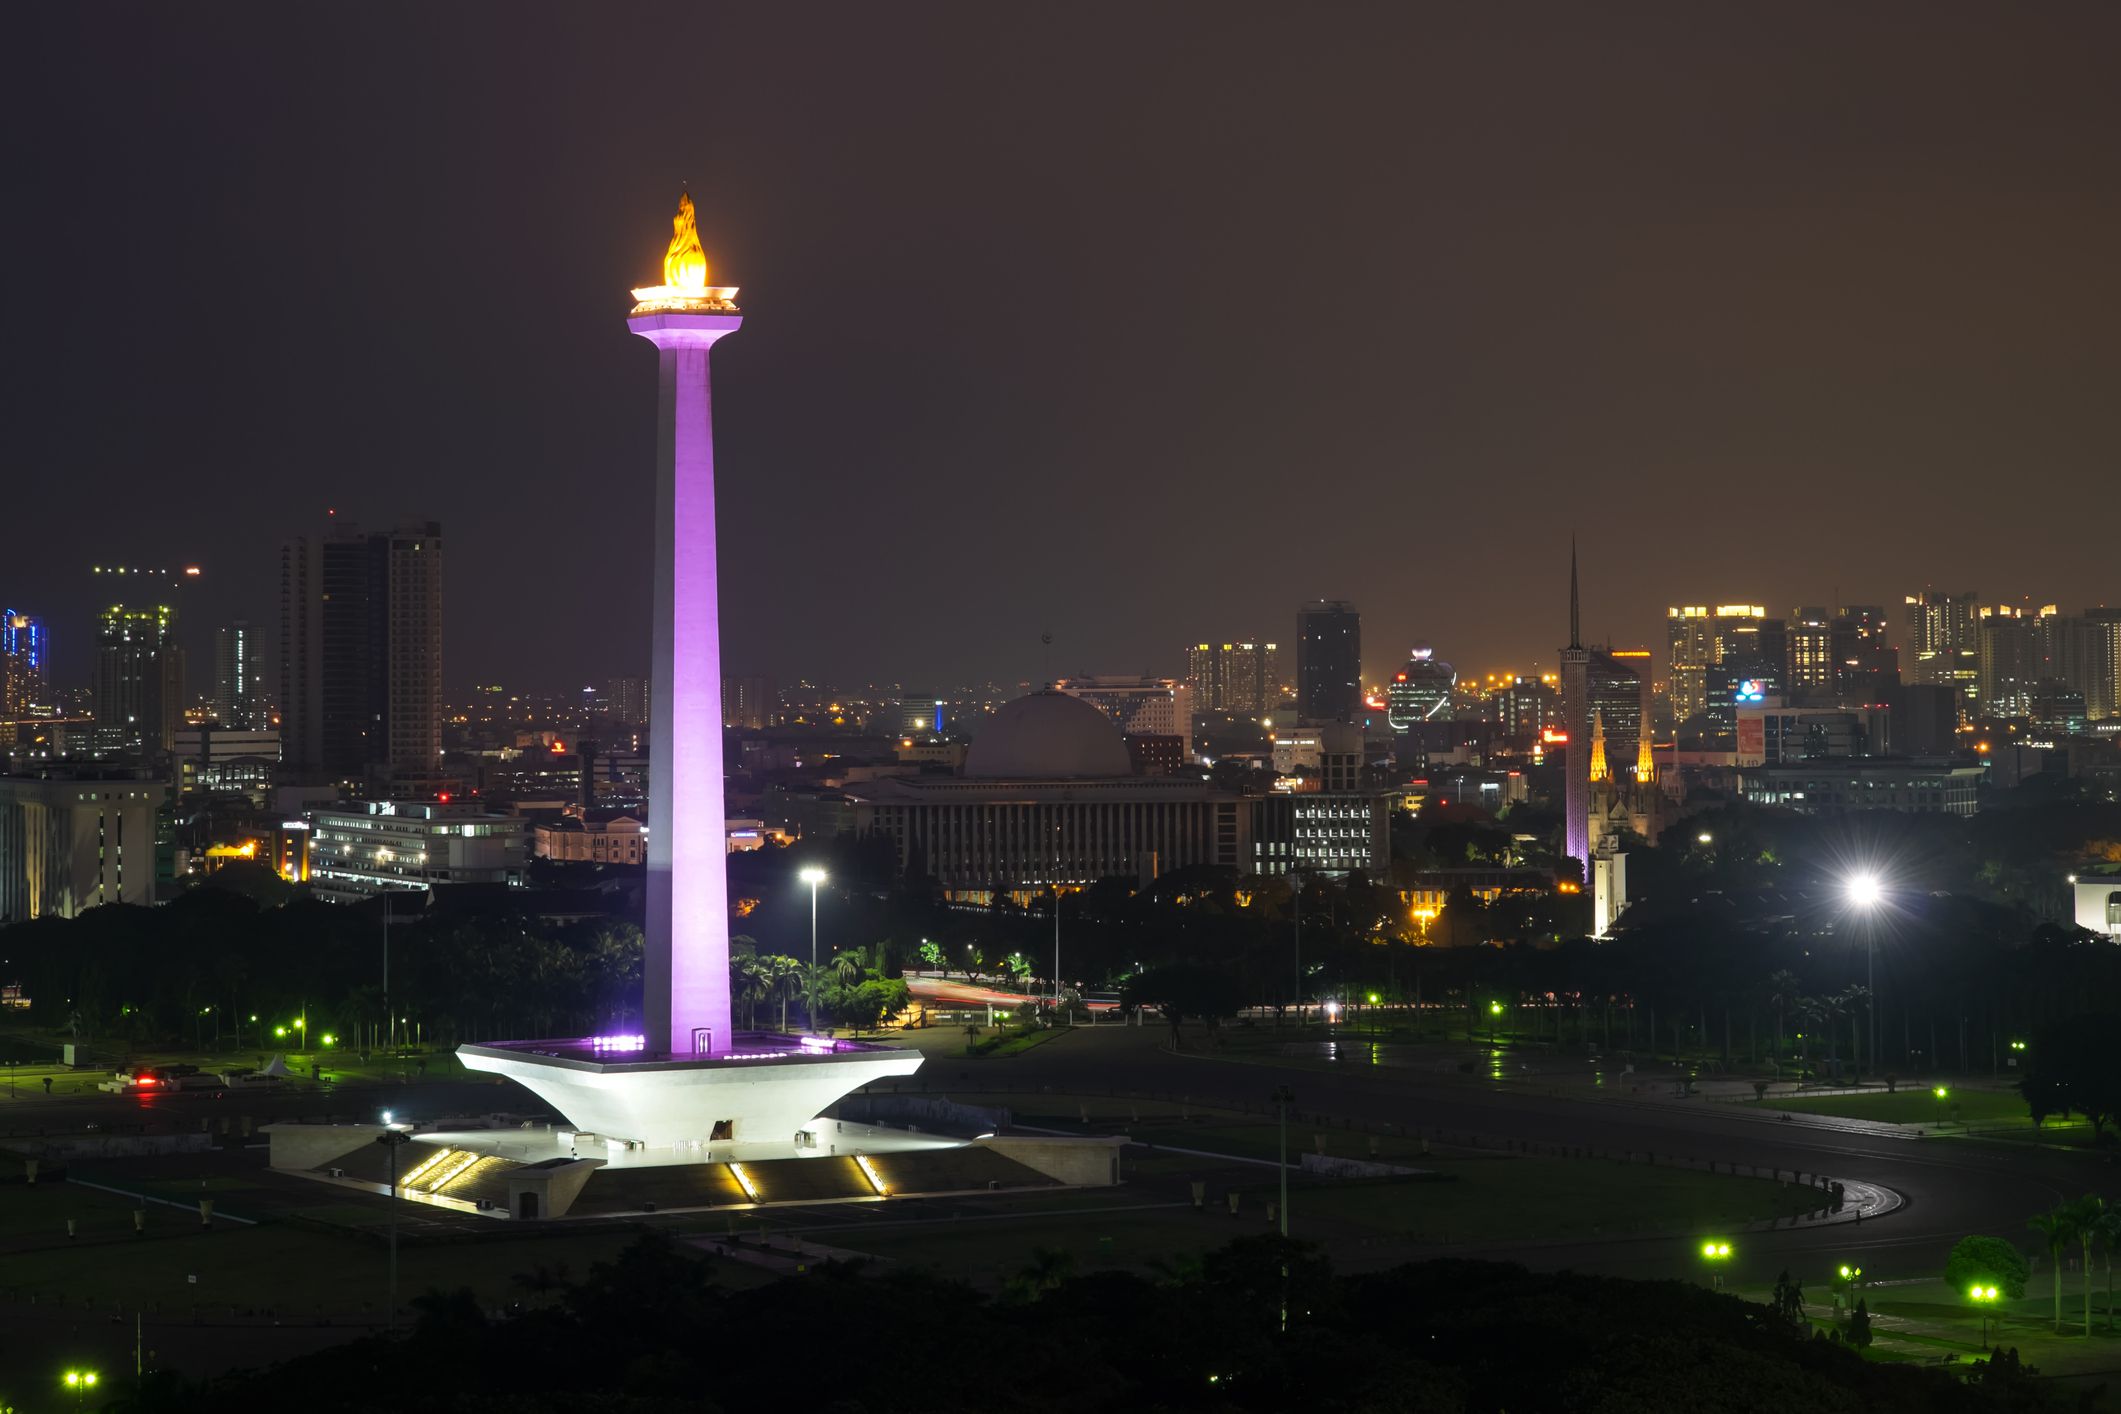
(1048, 736)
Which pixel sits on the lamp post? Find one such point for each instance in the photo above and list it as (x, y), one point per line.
(1283, 1097)
(390, 1018)
(813, 876)
(1056, 946)
(393, 1140)
(80, 1382)
(1716, 1253)
(1494, 1015)
(1865, 893)
(1983, 1297)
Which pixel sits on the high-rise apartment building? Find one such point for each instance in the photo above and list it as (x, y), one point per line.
(748, 702)
(239, 699)
(1243, 677)
(25, 688)
(628, 701)
(361, 652)
(1329, 662)
(1943, 645)
(139, 689)
(2013, 648)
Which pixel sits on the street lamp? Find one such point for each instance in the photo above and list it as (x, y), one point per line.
(1983, 1297)
(1716, 1252)
(394, 1140)
(1494, 1012)
(1704, 838)
(1864, 894)
(80, 1382)
(1283, 1097)
(813, 876)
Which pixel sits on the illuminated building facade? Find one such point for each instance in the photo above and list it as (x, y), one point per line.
(1811, 649)
(619, 839)
(1576, 732)
(1423, 690)
(1329, 662)
(25, 688)
(2013, 645)
(74, 837)
(1614, 680)
(1829, 787)
(219, 760)
(384, 846)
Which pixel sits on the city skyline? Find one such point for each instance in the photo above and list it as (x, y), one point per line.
(1742, 317)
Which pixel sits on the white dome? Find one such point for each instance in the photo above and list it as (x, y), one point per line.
(1048, 736)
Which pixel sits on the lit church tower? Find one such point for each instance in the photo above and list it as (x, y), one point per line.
(685, 971)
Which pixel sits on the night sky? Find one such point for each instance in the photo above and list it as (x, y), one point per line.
(1137, 323)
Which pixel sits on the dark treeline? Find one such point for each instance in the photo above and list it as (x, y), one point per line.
(1735, 944)
(651, 1331)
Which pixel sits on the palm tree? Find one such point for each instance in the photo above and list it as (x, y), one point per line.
(2085, 1215)
(814, 983)
(849, 966)
(1782, 993)
(2108, 1233)
(2054, 1227)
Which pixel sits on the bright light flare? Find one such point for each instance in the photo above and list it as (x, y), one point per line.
(1864, 890)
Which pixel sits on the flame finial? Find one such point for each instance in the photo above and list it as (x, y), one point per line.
(685, 264)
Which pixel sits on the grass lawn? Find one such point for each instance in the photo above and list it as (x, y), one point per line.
(285, 1268)
(1980, 1108)
(1477, 1200)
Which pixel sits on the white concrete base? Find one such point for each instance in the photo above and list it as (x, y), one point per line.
(765, 1098)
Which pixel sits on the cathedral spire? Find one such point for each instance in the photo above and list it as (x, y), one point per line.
(1645, 757)
(1598, 766)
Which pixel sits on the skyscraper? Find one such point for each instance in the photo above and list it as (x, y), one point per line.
(1329, 662)
(24, 686)
(237, 700)
(2013, 660)
(361, 651)
(1613, 682)
(139, 690)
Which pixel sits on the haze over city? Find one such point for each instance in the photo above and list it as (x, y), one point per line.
(1131, 325)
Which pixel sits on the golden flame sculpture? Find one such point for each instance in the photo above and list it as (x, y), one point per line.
(685, 265)
(685, 289)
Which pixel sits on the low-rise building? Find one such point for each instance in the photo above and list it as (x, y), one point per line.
(75, 836)
(367, 848)
(1828, 787)
(576, 839)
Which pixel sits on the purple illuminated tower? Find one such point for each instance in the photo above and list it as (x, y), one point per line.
(685, 974)
(1576, 722)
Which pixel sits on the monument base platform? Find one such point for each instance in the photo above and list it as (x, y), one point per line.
(764, 1091)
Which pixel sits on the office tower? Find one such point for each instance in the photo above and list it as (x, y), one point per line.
(1576, 724)
(1811, 647)
(238, 701)
(1421, 691)
(24, 686)
(748, 702)
(1613, 684)
(1242, 677)
(2013, 658)
(1866, 664)
(1329, 662)
(1691, 644)
(139, 691)
(361, 651)
(1526, 708)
